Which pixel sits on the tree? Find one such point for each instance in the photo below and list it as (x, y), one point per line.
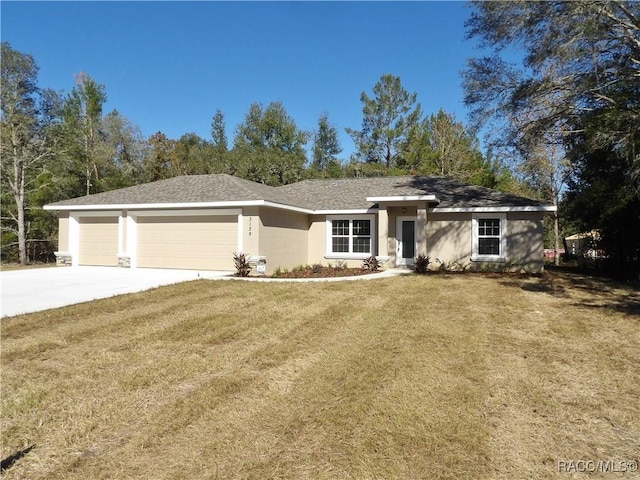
(576, 90)
(82, 128)
(24, 144)
(159, 159)
(388, 119)
(122, 152)
(454, 151)
(193, 156)
(579, 57)
(218, 132)
(220, 161)
(325, 144)
(546, 169)
(189, 155)
(269, 147)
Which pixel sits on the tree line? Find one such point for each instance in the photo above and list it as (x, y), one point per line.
(57, 146)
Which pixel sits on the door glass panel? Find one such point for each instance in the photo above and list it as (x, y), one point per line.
(408, 239)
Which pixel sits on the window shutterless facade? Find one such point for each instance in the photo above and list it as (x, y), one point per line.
(350, 237)
(489, 237)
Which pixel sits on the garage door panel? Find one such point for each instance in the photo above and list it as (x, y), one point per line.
(98, 241)
(192, 242)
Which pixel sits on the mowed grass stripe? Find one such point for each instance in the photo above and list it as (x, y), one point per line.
(242, 421)
(413, 377)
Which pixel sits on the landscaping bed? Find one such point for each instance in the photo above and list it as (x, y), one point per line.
(320, 271)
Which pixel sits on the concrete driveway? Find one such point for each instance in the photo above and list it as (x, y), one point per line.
(33, 290)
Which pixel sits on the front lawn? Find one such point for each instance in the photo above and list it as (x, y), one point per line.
(437, 376)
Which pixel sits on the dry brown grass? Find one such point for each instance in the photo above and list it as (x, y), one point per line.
(16, 266)
(465, 377)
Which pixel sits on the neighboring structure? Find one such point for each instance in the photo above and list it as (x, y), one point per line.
(584, 245)
(198, 222)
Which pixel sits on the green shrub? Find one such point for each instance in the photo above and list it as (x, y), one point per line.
(421, 264)
(241, 262)
(371, 263)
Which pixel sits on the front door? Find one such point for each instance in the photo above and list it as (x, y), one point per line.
(405, 240)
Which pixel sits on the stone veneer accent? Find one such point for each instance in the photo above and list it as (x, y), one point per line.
(63, 259)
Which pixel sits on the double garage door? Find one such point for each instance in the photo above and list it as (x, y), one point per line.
(204, 242)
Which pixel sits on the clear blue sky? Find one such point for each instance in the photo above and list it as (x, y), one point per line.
(168, 66)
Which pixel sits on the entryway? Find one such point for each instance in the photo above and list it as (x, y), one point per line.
(405, 240)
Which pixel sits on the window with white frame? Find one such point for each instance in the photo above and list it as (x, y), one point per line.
(350, 237)
(489, 237)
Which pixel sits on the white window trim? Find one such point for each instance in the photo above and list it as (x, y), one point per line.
(475, 256)
(349, 255)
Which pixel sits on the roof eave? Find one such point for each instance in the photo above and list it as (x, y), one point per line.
(282, 206)
(404, 198)
(496, 209)
(172, 205)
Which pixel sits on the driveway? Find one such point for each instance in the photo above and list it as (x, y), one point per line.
(33, 290)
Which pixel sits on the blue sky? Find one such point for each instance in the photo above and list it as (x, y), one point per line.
(168, 66)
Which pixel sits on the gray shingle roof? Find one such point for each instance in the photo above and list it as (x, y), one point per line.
(329, 194)
(184, 189)
(351, 193)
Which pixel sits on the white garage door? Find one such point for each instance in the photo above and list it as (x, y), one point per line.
(204, 242)
(98, 241)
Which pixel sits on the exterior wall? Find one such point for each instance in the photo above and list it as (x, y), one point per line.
(449, 239)
(63, 232)
(122, 240)
(251, 231)
(317, 239)
(525, 239)
(283, 238)
(63, 256)
(124, 259)
(287, 239)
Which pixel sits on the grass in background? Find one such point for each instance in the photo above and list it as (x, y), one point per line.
(17, 266)
(443, 376)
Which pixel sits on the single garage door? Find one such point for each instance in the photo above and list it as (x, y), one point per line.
(204, 242)
(98, 241)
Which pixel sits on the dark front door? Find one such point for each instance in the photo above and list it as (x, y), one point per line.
(408, 239)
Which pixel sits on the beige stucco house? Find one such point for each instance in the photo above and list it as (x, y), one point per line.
(198, 222)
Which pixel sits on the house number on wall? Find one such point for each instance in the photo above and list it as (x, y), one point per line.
(250, 226)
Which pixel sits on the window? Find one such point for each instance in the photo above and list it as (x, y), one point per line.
(489, 239)
(349, 237)
(488, 236)
(340, 236)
